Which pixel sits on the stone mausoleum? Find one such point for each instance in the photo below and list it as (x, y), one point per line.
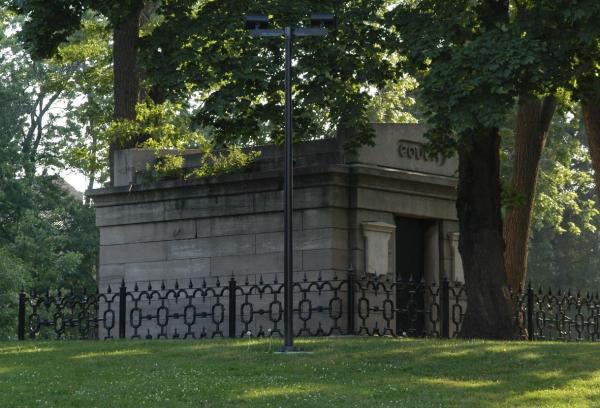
(388, 210)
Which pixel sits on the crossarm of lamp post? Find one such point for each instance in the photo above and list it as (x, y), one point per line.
(298, 32)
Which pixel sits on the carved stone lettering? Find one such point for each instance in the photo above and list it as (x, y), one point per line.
(414, 151)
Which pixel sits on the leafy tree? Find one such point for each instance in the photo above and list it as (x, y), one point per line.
(13, 277)
(475, 61)
(89, 113)
(201, 48)
(47, 238)
(50, 23)
(567, 31)
(564, 241)
(472, 62)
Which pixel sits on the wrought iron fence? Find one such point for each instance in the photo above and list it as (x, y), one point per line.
(322, 307)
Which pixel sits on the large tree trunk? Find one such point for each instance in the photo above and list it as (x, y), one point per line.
(490, 312)
(533, 121)
(125, 80)
(591, 118)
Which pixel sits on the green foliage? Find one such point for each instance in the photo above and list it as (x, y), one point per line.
(564, 244)
(201, 47)
(470, 66)
(50, 22)
(13, 277)
(166, 130)
(89, 110)
(47, 237)
(565, 247)
(393, 103)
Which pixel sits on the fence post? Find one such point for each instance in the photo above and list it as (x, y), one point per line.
(21, 327)
(530, 296)
(351, 304)
(445, 308)
(232, 307)
(122, 308)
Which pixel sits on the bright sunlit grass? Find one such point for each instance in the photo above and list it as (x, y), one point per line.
(349, 372)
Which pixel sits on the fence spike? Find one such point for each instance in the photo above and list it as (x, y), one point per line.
(260, 281)
(191, 284)
(162, 285)
(218, 282)
(149, 285)
(569, 292)
(246, 282)
(176, 284)
(320, 277)
(304, 278)
(109, 289)
(275, 281)
(203, 283)
(578, 293)
(136, 287)
(559, 292)
(122, 281)
(549, 291)
(540, 292)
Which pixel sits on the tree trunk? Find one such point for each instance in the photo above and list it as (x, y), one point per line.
(125, 75)
(533, 121)
(155, 93)
(490, 312)
(591, 117)
(126, 81)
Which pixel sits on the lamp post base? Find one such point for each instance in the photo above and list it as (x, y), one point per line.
(289, 349)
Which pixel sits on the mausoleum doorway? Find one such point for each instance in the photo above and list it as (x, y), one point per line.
(416, 250)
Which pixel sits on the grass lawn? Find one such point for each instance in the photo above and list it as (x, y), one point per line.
(350, 372)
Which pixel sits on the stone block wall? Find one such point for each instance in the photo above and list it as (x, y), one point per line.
(232, 225)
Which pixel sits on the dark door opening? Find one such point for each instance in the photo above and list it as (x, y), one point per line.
(410, 268)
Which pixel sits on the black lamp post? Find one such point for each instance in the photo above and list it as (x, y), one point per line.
(259, 27)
